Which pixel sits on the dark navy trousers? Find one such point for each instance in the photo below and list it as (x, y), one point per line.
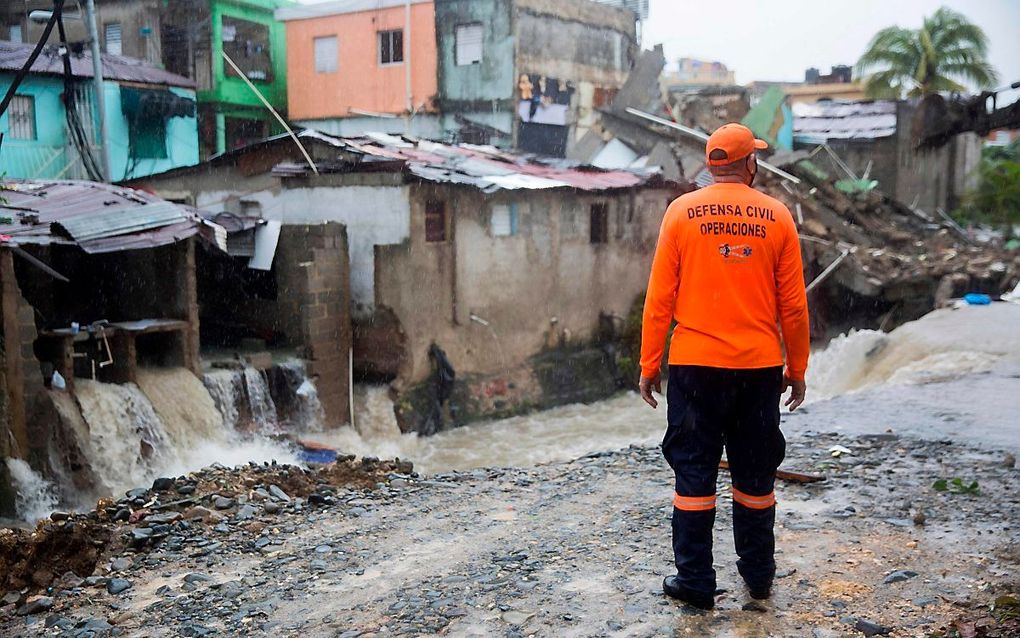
(709, 409)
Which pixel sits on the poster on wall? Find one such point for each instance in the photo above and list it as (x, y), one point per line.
(544, 100)
(544, 108)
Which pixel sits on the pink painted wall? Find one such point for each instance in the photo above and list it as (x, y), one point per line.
(360, 82)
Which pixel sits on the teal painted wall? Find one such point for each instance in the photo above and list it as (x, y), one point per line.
(493, 78)
(47, 156)
(181, 140)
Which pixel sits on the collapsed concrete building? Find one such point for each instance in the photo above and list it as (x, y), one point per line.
(502, 269)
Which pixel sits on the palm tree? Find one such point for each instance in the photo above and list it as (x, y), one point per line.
(945, 51)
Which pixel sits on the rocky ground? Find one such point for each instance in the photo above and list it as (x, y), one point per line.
(569, 549)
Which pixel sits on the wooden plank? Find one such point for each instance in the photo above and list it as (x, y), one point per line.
(786, 475)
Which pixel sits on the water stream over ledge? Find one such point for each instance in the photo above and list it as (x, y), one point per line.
(171, 422)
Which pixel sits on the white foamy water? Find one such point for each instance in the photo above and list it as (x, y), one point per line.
(167, 425)
(263, 410)
(942, 345)
(224, 387)
(36, 497)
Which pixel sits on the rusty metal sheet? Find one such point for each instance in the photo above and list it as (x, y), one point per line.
(35, 209)
(13, 57)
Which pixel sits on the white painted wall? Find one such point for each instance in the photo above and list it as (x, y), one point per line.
(374, 215)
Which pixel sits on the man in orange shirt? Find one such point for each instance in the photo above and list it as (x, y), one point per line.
(727, 269)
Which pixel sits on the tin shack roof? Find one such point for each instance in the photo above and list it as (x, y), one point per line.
(98, 218)
(844, 120)
(13, 57)
(484, 167)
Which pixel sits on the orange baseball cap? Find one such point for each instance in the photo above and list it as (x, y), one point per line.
(736, 140)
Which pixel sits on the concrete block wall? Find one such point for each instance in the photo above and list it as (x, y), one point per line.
(313, 276)
(23, 377)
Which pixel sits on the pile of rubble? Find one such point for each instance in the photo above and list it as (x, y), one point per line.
(172, 511)
(877, 262)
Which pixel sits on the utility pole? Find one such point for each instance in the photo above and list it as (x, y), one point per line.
(97, 76)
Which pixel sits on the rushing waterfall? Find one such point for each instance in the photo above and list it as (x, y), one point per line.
(224, 386)
(127, 437)
(184, 406)
(36, 497)
(260, 400)
(296, 397)
(168, 424)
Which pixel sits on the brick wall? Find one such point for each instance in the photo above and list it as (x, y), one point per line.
(313, 279)
(23, 377)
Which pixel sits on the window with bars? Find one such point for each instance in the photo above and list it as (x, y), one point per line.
(325, 54)
(21, 117)
(435, 221)
(114, 41)
(391, 46)
(469, 44)
(599, 223)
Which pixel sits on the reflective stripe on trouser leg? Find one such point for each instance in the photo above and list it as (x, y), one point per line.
(692, 545)
(754, 539)
(693, 503)
(754, 502)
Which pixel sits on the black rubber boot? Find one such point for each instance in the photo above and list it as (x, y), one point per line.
(674, 589)
(761, 594)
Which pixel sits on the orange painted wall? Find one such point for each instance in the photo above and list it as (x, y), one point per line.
(360, 82)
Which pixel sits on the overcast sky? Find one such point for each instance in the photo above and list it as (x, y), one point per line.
(779, 39)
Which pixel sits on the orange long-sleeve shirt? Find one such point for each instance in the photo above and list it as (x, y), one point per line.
(727, 267)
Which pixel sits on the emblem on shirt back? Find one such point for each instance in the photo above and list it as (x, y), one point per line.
(737, 253)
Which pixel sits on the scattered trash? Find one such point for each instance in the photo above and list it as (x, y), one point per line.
(838, 450)
(977, 299)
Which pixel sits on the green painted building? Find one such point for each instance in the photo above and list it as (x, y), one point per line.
(196, 33)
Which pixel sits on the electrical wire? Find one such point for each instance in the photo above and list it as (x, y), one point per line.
(79, 138)
(58, 7)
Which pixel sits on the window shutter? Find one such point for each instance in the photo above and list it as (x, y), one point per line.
(114, 42)
(325, 54)
(469, 44)
(501, 226)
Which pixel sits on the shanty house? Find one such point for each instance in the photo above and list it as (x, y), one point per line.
(189, 38)
(96, 281)
(874, 140)
(50, 127)
(511, 266)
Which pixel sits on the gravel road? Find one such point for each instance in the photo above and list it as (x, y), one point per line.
(567, 549)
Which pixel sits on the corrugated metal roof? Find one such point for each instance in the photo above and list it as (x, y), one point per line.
(121, 221)
(97, 217)
(840, 119)
(484, 167)
(339, 7)
(13, 57)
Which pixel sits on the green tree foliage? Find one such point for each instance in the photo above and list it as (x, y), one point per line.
(945, 51)
(996, 199)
